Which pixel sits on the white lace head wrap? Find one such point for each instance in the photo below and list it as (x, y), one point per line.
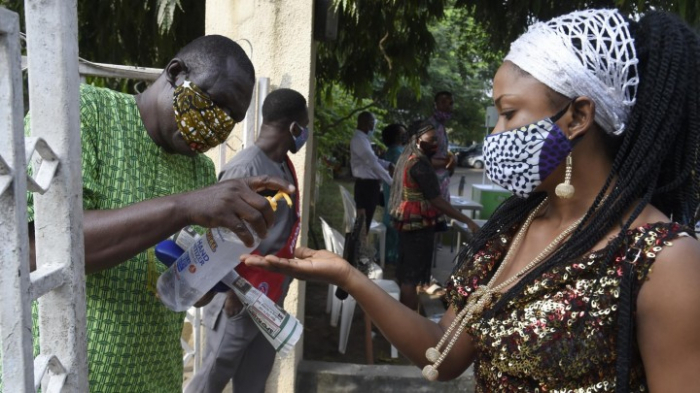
(584, 53)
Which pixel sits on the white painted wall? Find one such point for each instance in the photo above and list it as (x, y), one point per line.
(281, 47)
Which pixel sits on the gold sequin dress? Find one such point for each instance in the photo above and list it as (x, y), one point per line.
(558, 334)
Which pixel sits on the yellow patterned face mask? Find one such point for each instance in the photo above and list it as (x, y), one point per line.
(202, 123)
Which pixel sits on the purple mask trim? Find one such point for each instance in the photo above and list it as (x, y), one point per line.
(555, 149)
(441, 116)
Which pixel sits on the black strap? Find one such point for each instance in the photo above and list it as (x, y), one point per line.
(625, 317)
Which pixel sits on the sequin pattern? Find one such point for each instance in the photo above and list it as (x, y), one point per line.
(558, 334)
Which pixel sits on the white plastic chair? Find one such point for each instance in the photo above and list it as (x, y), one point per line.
(193, 353)
(327, 232)
(335, 243)
(329, 242)
(376, 228)
(458, 228)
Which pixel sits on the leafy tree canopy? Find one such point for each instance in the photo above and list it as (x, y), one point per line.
(402, 28)
(382, 38)
(461, 62)
(398, 54)
(505, 20)
(391, 55)
(132, 32)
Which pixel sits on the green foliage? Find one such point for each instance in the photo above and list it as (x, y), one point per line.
(392, 54)
(335, 119)
(505, 20)
(132, 32)
(166, 13)
(401, 53)
(462, 63)
(386, 38)
(384, 45)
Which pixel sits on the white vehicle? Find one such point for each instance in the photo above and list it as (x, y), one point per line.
(476, 162)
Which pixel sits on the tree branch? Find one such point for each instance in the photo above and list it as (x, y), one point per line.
(351, 114)
(381, 48)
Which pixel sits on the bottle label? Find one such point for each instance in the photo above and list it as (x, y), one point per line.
(280, 328)
(208, 258)
(211, 241)
(186, 238)
(269, 317)
(199, 253)
(183, 262)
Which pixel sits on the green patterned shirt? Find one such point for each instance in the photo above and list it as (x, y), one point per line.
(133, 340)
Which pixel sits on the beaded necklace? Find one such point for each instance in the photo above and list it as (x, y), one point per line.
(484, 294)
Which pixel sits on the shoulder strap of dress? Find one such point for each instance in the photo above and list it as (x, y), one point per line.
(625, 315)
(645, 242)
(655, 238)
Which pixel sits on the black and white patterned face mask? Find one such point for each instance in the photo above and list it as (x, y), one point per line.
(520, 159)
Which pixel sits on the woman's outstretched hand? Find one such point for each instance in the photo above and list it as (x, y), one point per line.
(308, 264)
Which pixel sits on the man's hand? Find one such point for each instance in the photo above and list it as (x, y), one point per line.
(229, 202)
(232, 305)
(206, 299)
(114, 236)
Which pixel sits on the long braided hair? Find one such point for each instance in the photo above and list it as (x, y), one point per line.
(415, 130)
(656, 162)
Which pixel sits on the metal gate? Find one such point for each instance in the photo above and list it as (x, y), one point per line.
(54, 148)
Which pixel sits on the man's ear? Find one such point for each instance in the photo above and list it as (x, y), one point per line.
(293, 129)
(175, 68)
(582, 117)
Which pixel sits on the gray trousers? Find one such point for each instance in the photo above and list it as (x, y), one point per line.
(235, 350)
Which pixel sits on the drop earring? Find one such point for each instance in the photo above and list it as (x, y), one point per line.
(565, 190)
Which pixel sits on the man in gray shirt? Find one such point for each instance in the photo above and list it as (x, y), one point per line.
(236, 350)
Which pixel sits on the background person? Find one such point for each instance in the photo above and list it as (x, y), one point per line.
(394, 137)
(443, 161)
(594, 291)
(236, 349)
(367, 169)
(417, 207)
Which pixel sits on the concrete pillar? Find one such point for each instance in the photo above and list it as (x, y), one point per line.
(278, 37)
(15, 309)
(52, 47)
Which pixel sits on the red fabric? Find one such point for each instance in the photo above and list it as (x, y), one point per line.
(414, 211)
(265, 281)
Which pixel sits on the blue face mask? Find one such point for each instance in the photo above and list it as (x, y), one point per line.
(300, 140)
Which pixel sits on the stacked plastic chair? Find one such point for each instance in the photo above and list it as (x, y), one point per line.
(345, 309)
(376, 228)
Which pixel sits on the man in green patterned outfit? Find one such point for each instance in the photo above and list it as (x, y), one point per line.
(143, 180)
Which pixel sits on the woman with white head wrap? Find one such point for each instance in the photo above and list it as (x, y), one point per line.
(598, 139)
